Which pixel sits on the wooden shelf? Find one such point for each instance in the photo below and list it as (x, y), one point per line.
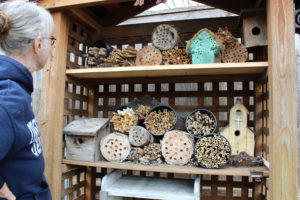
(170, 70)
(229, 171)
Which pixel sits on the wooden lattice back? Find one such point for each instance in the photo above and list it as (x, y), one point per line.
(78, 41)
(73, 184)
(217, 94)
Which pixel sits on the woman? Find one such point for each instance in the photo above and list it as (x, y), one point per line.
(25, 45)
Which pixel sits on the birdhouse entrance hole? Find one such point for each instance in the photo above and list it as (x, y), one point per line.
(256, 31)
(79, 141)
(237, 133)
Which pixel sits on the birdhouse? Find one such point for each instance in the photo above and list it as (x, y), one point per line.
(254, 31)
(238, 134)
(203, 47)
(83, 138)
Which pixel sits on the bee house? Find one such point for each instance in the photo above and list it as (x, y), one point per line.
(238, 134)
(254, 31)
(83, 138)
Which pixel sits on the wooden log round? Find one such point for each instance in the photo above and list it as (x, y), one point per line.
(148, 55)
(177, 147)
(115, 147)
(165, 37)
(139, 136)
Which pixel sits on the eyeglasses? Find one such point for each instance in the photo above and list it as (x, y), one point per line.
(53, 40)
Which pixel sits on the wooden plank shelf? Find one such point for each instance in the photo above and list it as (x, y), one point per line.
(228, 171)
(169, 70)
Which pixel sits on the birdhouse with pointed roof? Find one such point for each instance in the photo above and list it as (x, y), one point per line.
(241, 138)
(203, 47)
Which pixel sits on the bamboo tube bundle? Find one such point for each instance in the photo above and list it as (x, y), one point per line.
(177, 147)
(123, 120)
(115, 147)
(139, 136)
(201, 122)
(160, 120)
(176, 56)
(212, 151)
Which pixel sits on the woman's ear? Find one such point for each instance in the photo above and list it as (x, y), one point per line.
(37, 45)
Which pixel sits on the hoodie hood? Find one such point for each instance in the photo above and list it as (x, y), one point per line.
(11, 69)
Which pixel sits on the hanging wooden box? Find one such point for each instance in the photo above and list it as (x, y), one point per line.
(83, 138)
(254, 31)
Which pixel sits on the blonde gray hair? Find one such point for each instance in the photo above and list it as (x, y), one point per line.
(21, 23)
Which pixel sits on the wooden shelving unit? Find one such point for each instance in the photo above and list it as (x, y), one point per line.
(170, 70)
(274, 93)
(228, 171)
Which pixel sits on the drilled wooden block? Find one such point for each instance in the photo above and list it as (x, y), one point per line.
(115, 147)
(148, 55)
(165, 37)
(177, 147)
(139, 136)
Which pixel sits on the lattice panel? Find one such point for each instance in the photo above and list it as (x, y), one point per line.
(73, 184)
(262, 126)
(78, 41)
(217, 94)
(76, 101)
(229, 187)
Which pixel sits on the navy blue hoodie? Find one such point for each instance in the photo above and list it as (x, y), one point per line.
(21, 158)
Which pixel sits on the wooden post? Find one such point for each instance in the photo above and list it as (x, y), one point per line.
(52, 106)
(283, 102)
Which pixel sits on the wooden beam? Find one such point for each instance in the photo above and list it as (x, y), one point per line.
(233, 6)
(65, 4)
(86, 18)
(283, 100)
(125, 12)
(52, 106)
(186, 26)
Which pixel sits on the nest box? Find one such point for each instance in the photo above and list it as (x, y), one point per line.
(254, 31)
(241, 138)
(203, 47)
(83, 138)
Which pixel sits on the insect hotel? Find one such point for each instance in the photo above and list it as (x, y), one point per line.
(180, 66)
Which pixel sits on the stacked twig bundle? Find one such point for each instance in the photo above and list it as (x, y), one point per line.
(176, 56)
(150, 154)
(125, 57)
(95, 56)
